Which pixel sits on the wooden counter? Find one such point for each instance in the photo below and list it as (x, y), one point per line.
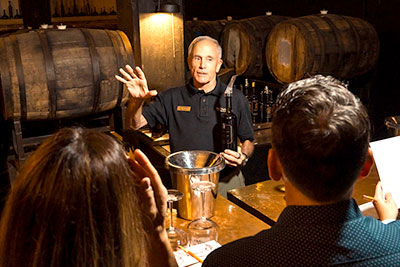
(233, 222)
(265, 200)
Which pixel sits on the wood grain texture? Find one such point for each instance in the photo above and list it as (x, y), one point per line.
(243, 44)
(63, 75)
(331, 44)
(161, 41)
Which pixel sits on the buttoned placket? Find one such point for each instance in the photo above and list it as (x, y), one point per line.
(203, 106)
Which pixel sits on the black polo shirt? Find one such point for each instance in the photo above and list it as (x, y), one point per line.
(193, 118)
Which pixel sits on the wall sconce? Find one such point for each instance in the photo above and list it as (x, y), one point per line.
(168, 7)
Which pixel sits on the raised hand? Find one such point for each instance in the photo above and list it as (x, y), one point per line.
(136, 82)
(154, 200)
(154, 194)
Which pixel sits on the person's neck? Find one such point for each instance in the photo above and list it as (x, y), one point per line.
(295, 197)
(208, 87)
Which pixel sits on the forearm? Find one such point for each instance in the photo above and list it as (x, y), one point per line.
(134, 117)
(161, 253)
(247, 148)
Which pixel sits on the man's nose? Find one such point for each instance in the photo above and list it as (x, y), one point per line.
(202, 64)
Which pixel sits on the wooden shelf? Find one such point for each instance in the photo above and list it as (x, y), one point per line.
(83, 18)
(11, 22)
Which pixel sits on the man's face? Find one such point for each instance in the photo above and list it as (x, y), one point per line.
(204, 63)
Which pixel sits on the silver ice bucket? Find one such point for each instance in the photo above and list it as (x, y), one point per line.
(187, 167)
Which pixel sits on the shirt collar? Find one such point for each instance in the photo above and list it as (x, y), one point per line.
(218, 90)
(315, 215)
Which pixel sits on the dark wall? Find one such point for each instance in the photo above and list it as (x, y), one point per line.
(378, 89)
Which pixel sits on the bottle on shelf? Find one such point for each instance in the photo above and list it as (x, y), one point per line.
(261, 105)
(4, 15)
(103, 12)
(229, 120)
(10, 10)
(95, 12)
(17, 15)
(88, 10)
(246, 93)
(246, 89)
(112, 12)
(254, 103)
(62, 10)
(268, 104)
(75, 9)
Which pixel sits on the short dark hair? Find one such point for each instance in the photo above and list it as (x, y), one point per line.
(320, 132)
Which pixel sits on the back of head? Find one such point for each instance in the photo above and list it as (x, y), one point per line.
(320, 132)
(74, 203)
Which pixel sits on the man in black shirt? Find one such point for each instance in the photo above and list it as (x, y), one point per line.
(192, 112)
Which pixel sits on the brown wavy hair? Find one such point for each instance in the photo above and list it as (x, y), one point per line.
(74, 203)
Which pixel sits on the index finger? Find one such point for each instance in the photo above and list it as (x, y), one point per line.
(378, 191)
(145, 163)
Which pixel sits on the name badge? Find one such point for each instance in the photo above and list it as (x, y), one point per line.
(183, 108)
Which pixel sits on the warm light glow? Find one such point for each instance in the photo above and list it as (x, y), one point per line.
(159, 19)
(161, 42)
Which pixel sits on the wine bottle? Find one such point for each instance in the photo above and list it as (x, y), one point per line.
(4, 15)
(254, 103)
(17, 15)
(246, 88)
(247, 94)
(88, 10)
(229, 121)
(75, 9)
(62, 9)
(261, 105)
(10, 10)
(112, 12)
(269, 102)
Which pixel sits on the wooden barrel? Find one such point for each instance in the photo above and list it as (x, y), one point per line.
(243, 44)
(330, 44)
(195, 28)
(53, 74)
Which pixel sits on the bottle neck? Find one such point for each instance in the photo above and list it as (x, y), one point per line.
(228, 99)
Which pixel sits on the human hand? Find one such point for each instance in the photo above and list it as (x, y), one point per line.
(136, 82)
(234, 158)
(153, 192)
(384, 204)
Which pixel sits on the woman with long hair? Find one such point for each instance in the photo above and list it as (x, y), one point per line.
(79, 201)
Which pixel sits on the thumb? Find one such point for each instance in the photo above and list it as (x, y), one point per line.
(153, 92)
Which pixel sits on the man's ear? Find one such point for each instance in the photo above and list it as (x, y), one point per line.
(275, 170)
(369, 162)
(220, 61)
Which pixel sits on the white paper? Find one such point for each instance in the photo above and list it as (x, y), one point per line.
(201, 250)
(386, 155)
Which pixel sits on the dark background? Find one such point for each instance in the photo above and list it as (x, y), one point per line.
(378, 89)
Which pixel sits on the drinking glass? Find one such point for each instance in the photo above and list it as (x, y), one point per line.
(176, 236)
(202, 229)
